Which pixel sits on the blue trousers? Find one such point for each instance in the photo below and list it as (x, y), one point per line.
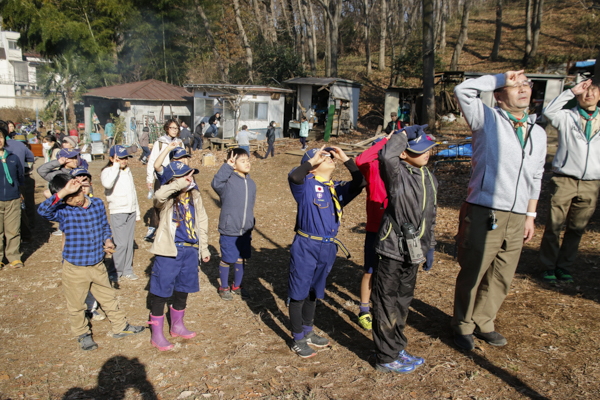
(310, 264)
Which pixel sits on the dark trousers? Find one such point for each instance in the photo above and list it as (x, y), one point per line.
(145, 152)
(303, 141)
(393, 291)
(28, 216)
(197, 145)
(270, 149)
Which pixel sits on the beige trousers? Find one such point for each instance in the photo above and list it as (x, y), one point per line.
(10, 227)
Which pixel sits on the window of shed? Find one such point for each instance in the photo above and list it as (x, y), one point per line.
(12, 45)
(254, 111)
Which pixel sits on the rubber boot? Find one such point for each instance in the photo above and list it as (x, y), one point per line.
(158, 338)
(177, 327)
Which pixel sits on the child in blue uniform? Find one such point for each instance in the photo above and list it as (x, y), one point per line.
(320, 206)
(181, 241)
(237, 192)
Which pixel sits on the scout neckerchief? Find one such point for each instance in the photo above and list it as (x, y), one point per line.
(6, 172)
(184, 201)
(588, 126)
(519, 124)
(329, 184)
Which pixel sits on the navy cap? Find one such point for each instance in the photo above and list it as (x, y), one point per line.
(420, 144)
(175, 170)
(178, 153)
(80, 172)
(68, 153)
(119, 151)
(311, 153)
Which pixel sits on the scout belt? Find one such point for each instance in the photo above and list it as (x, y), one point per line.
(326, 239)
(186, 244)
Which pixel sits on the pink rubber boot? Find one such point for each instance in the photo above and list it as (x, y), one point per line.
(158, 338)
(177, 327)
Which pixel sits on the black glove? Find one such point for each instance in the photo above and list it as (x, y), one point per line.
(414, 131)
(428, 260)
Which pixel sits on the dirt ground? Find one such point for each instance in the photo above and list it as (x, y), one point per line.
(241, 350)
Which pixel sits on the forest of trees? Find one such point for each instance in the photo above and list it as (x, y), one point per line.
(104, 42)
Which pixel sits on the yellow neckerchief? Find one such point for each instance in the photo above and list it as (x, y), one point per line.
(184, 200)
(329, 184)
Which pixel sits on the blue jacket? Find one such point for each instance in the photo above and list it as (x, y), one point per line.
(237, 196)
(20, 150)
(15, 169)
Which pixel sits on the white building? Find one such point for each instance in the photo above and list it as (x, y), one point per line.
(18, 77)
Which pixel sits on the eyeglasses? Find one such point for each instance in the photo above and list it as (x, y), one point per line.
(172, 127)
(523, 84)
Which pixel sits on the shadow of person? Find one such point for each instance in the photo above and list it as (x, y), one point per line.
(40, 235)
(118, 374)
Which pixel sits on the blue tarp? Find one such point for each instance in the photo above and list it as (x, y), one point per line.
(462, 150)
(583, 64)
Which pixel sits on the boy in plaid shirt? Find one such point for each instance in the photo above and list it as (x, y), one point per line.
(83, 220)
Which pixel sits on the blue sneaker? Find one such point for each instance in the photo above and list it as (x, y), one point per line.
(408, 359)
(398, 366)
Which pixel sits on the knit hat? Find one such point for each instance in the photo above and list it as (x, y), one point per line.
(71, 140)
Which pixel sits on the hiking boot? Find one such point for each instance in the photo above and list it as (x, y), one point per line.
(563, 275)
(128, 331)
(301, 348)
(365, 321)
(397, 366)
(493, 338)
(408, 359)
(465, 342)
(240, 291)
(86, 342)
(316, 340)
(550, 276)
(225, 294)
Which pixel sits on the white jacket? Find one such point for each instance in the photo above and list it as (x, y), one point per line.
(157, 148)
(120, 190)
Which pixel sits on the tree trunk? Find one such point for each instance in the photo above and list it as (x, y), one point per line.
(211, 41)
(302, 31)
(286, 19)
(528, 35)
(442, 46)
(259, 20)
(327, 45)
(333, 9)
(429, 64)
(271, 23)
(245, 41)
(292, 12)
(498, 36)
(314, 31)
(71, 107)
(537, 27)
(309, 33)
(367, 29)
(462, 36)
(382, 36)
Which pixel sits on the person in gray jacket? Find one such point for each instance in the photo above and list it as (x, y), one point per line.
(509, 152)
(237, 192)
(576, 182)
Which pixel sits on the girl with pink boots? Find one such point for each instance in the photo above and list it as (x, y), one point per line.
(181, 242)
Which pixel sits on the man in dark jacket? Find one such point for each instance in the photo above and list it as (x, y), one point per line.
(271, 140)
(395, 124)
(412, 197)
(212, 131)
(186, 137)
(198, 138)
(144, 144)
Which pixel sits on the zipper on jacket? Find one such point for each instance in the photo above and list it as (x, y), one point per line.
(245, 206)
(587, 157)
(522, 161)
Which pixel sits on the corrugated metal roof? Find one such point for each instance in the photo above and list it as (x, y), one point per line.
(320, 81)
(150, 89)
(225, 87)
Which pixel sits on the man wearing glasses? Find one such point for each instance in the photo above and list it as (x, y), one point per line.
(509, 152)
(576, 181)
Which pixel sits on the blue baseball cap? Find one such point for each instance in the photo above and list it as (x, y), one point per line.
(176, 169)
(311, 153)
(80, 172)
(178, 153)
(119, 151)
(420, 144)
(68, 153)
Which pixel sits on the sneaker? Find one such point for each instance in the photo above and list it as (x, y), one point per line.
(240, 291)
(301, 348)
(225, 294)
(86, 342)
(150, 234)
(96, 316)
(563, 275)
(397, 366)
(493, 338)
(128, 331)
(408, 359)
(57, 232)
(316, 340)
(132, 277)
(465, 342)
(365, 321)
(550, 276)
(15, 264)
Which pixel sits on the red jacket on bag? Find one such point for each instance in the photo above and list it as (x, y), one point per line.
(376, 196)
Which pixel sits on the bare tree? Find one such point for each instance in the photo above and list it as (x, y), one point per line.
(367, 30)
(428, 64)
(309, 33)
(462, 36)
(533, 27)
(498, 36)
(244, 37)
(383, 19)
(271, 20)
(286, 18)
(314, 32)
(211, 41)
(302, 31)
(333, 8)
(528, 35)
(260, 24)
(444, 12)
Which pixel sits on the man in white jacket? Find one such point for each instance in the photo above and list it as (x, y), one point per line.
(509, 152)
(123, 207)
(576, 182)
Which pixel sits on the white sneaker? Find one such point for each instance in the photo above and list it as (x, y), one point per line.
(96, 316)
(132, 277)
(57, 232)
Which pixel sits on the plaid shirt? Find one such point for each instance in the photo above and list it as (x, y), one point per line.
(85, 229)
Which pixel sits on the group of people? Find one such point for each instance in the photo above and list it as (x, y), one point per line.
(496, 220)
